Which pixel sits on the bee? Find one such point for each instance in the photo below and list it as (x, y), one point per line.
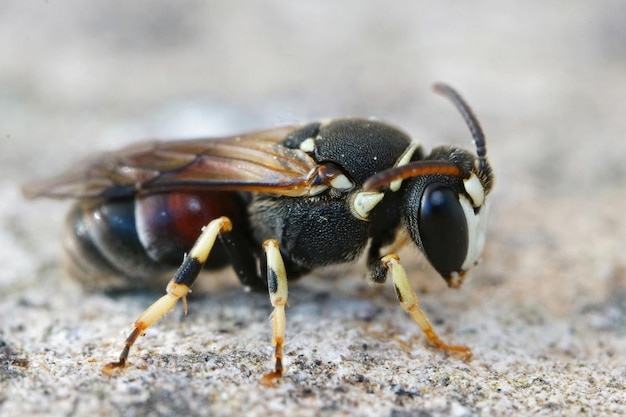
(276, 204)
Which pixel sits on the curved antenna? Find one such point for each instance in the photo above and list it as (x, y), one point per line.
(470, 119)
(412, 169)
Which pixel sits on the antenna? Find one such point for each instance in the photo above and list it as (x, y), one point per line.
(470, 119)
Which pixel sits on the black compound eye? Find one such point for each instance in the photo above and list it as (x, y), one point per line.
(443, 229)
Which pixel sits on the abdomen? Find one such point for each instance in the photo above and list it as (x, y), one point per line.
(137, 241)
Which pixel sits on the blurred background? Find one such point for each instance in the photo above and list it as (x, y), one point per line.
(88, 76)
(547, 80)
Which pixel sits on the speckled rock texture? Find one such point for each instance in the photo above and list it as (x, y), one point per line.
(544, 312)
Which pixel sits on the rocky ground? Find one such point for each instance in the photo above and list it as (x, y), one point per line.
(545, 312)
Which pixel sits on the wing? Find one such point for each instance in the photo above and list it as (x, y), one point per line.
(251, 162)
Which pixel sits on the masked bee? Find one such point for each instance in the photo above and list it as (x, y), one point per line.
(282, 202)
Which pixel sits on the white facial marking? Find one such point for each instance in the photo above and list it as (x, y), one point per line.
(341, 182)
(476, 230)
(475, 189)
(364, 201)
(307, 145)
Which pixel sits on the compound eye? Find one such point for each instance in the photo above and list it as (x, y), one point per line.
(443, 229)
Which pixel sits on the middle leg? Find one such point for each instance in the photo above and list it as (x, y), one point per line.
(277, 288)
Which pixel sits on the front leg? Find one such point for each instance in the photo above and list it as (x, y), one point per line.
(178, 287)
(410, 303)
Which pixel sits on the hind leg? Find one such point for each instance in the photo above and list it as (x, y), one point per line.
(178, 287)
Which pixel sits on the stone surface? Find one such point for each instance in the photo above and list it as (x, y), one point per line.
(545, 312)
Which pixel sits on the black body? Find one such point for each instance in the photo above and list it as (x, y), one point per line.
(142, 208)
(312, 231)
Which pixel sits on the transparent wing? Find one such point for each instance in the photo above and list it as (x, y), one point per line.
(251, 162)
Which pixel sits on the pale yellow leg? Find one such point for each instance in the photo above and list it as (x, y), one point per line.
(277, 287)
(177, 288)
(410, 303)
